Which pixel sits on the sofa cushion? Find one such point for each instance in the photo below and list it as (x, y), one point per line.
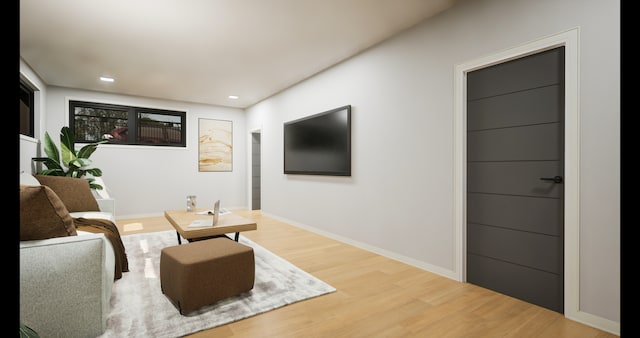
(43, 215)
(75, 193)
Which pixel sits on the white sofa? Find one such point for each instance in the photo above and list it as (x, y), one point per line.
(66, 282)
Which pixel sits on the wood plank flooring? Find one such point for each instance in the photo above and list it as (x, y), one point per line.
(377, 296)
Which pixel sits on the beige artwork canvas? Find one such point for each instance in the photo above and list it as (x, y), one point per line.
(215, 145)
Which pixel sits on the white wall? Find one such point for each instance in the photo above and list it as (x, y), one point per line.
(145, 181)
(399, 200)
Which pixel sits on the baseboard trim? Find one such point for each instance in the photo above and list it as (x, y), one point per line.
(364, 246)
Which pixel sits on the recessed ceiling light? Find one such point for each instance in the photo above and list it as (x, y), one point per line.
(233, 97)
(106, 79)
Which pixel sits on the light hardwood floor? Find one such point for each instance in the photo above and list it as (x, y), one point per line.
(377, 296)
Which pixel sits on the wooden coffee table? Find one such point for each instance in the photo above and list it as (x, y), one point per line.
(228, 223)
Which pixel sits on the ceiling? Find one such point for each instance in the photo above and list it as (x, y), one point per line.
(202, 51)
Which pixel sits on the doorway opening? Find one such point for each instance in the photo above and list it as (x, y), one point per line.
(255, 171)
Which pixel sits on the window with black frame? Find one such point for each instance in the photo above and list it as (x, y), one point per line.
(26, 110)
(93, 122)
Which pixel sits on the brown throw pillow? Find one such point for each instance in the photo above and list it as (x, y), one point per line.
(74, 192)
(43, 215)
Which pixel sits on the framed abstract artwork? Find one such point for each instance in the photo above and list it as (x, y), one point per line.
(215, 145)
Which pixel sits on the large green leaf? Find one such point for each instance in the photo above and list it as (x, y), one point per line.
(94, 185)
(52, 172)
(94, 171)
(88, 149)
(67, 138)
(50, 148)
(49, 162)
(67, 145)
(80, 162)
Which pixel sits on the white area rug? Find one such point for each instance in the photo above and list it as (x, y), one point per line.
(140, 309)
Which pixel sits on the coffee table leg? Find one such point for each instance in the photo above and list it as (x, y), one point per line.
(179, 240)
(237, 236)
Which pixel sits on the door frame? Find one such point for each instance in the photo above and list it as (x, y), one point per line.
(250, 161)
(568, 39)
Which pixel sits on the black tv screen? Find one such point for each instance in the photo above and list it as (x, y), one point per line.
(319, 144)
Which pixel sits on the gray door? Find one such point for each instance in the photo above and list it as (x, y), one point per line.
(255, 171)
(515, 167)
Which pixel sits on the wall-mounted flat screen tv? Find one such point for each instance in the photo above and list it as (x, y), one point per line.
(319, 144)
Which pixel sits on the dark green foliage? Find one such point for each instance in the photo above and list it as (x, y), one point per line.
(68, 161)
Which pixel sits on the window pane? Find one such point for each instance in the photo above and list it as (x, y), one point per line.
(26, 110)
(159, 128)
(94, 124)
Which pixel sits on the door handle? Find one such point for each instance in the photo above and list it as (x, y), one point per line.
(555, 179)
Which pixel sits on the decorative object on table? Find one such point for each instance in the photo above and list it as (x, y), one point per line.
(67, 161)
(204, 222)
(191, 203)
(215, 145)
(138, 294)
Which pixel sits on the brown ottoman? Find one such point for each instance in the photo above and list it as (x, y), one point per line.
(200, 273)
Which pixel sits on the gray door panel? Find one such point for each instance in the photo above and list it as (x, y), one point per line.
(535, 251)
(515, 137)
(533, 286)
(514, 178)
(533, 142)
(535, 106)
(535, 71)
(533, 214)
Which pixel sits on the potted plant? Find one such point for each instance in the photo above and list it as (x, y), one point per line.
(68, 161)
